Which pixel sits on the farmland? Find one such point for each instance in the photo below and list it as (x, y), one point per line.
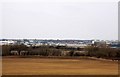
(57, 66)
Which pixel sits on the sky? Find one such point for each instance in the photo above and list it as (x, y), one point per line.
(59, 19)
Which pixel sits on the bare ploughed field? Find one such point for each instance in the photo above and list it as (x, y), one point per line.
(46, 66)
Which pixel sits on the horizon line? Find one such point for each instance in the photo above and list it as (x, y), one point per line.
(59, 39)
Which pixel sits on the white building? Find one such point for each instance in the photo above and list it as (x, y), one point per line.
(7, 42)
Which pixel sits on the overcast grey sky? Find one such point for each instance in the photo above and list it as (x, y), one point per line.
(57, 19)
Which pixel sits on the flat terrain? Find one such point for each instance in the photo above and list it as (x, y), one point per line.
(46, 66)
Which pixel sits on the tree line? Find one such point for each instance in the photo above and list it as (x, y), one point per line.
(46, 50)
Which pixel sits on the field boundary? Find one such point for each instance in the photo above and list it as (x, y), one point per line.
(60, 76)
(62, 57)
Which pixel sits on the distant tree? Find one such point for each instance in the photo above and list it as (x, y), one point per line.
(71, 53)
(6, 50)
(19, 48)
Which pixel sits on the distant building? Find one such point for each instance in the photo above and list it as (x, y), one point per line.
(7, 42)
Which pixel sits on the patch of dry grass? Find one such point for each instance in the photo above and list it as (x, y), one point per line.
(41, 66)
